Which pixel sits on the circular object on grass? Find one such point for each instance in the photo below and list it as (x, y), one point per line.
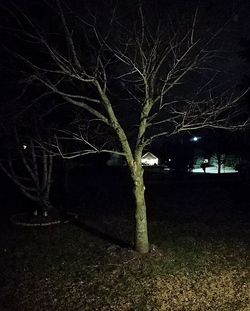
(25, 220)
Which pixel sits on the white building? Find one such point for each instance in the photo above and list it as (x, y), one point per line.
(149, 159)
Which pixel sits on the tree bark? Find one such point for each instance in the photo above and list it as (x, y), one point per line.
(219, 162)
(141, 226)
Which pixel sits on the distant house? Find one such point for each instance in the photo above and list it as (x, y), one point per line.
(149, 159)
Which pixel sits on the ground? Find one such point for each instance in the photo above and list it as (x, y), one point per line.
(199, 233)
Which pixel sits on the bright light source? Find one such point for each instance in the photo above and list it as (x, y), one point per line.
(195, 138)
(24, 147)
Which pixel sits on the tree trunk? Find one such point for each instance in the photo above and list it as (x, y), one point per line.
(219, 162)
(141, 230)
(45, 204)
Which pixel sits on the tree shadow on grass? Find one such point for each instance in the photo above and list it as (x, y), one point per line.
(108, 237)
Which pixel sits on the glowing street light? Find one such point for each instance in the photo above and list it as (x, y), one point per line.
(195, 138)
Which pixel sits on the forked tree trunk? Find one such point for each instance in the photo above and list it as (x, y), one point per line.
(141, 226)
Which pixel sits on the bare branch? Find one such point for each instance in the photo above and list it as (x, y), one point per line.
(69, 38)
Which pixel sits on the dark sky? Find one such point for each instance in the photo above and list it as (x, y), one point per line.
(212, 14)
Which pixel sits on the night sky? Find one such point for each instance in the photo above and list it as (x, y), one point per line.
(233, 16)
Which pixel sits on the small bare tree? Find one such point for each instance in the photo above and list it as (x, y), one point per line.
(29, 166)
(142, 82)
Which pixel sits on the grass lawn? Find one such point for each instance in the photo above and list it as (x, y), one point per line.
(198, 258)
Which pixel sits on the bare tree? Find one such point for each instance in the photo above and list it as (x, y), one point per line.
(29, 166)
(138, 81)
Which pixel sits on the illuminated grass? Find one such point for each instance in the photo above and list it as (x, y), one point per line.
(66, 268)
